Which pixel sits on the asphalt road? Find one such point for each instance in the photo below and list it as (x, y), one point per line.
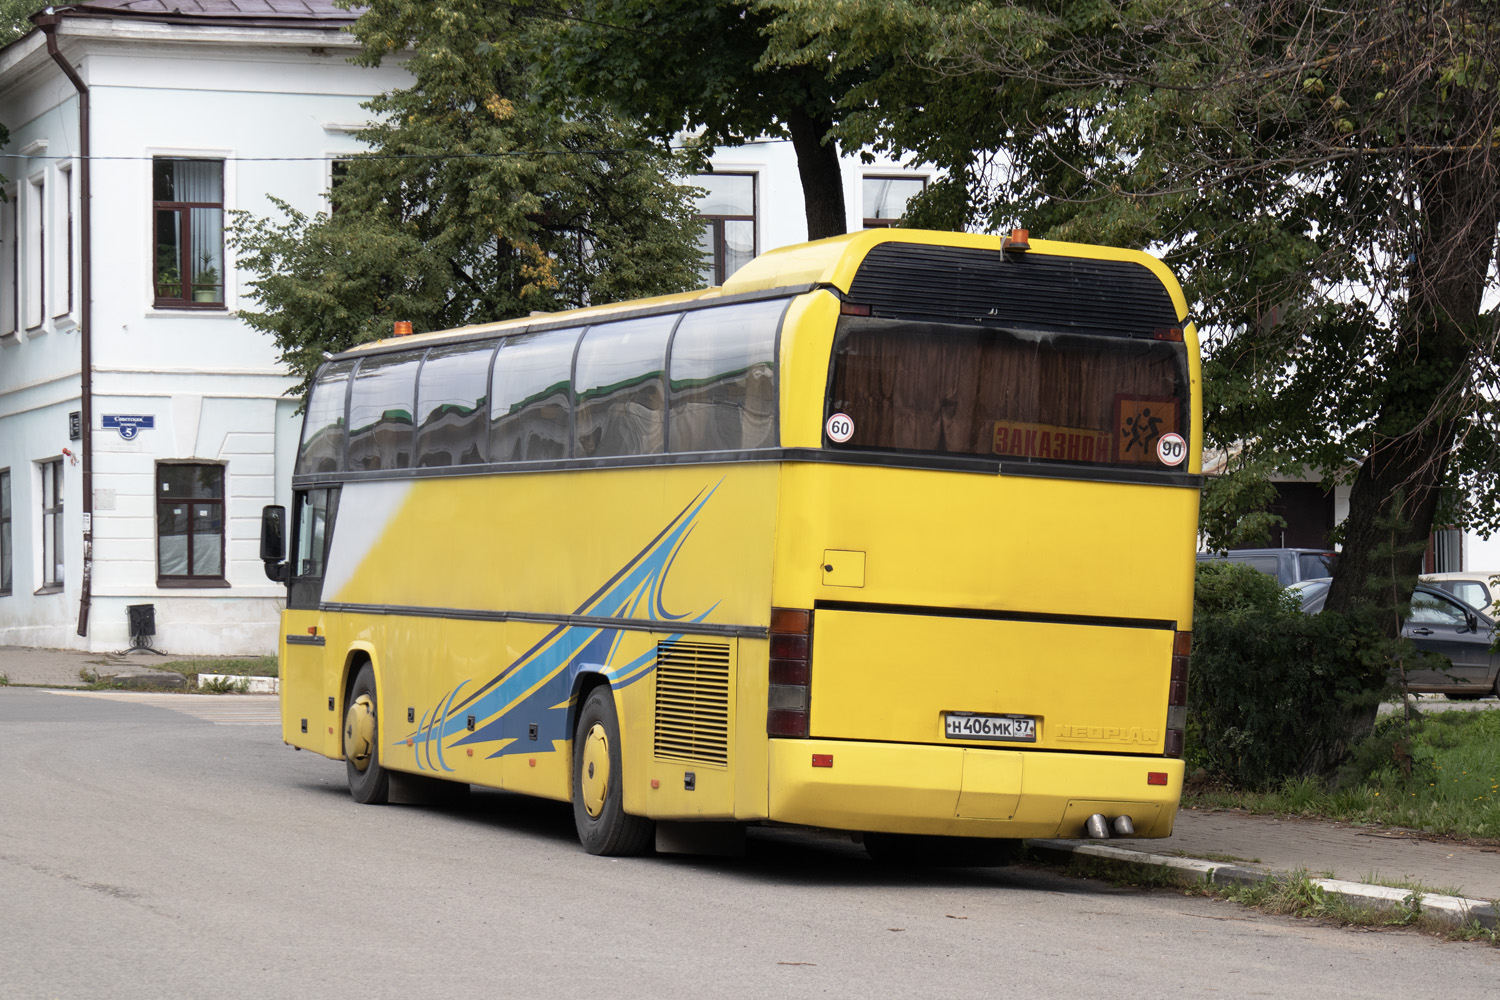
(151, 851)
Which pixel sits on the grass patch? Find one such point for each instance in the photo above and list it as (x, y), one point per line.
(4, 680)
(224, 685)
(1440, 776)
(246, 666)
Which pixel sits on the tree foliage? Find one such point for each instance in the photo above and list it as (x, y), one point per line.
(475, 203)
(1276, 693)
(1323, 177)
(15, 18)
(701, 66)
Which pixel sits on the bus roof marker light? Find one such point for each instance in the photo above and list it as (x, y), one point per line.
(1019, 241)
(402, 328)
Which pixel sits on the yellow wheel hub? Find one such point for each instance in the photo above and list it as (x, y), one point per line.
(594, 772)
(359, 731)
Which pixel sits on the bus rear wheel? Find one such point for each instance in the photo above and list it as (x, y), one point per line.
(604, 827)
(369, 783)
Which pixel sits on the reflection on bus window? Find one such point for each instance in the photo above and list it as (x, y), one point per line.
(529, 414)
(452, 418)
(619, 408)
(322, 447)
(380, 407)
(1024, 396)
(723, 378)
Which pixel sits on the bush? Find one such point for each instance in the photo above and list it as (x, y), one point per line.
(1275, 693)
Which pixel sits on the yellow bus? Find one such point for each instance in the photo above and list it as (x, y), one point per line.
(891, 534)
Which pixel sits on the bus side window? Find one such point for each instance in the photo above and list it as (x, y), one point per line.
(620, 409)
(723, 378)
(322, 448)
(313, 530)
(530, 404)
(452, 422)
(380, 407)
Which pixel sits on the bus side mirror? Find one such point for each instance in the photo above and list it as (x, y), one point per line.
(273, 542)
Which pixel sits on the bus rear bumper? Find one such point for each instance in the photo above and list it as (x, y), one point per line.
(966, 791)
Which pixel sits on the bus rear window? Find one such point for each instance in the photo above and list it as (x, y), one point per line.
(1015, 395)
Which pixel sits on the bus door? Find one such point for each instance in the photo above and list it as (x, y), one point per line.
(309, 703)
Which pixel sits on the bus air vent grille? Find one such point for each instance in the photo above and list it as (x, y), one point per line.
(692, 702)
(1022, 291)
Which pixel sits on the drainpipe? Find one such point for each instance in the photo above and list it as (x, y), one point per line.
(48, 22)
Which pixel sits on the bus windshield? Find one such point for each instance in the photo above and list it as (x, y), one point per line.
(1016, 395)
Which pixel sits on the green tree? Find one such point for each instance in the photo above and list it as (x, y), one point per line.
(14, 22)
(700, 66)
(15, 18)
(475, 204)
(1325, 178)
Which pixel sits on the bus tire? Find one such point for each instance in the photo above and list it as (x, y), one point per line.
(604, 827)
(907, 850)
(369, 783)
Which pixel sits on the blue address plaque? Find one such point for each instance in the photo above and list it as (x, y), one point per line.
(129, 424)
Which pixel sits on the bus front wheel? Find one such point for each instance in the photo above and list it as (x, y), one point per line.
(604, 827)
(369, 783)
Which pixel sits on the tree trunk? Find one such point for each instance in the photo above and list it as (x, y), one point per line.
(822, 180)
(1395, 494)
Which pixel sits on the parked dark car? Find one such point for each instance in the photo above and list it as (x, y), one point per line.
(1438, 624)
(1287, 565)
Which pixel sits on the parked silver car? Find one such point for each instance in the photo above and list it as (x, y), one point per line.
(1438, 624)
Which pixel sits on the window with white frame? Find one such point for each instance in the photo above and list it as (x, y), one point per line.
(188, 224)
(728, 213)
(52, 524)
(34, 259)
(62, 216)
(886, 197)
(189, 524)
(10, 260)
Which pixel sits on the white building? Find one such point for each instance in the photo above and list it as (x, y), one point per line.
(142, 424)
(194, 109)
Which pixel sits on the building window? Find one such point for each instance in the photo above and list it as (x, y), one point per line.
(5, 548)
(189, 523)
(338, 170)
(36, 250)
(188, 208)
(885, 199)
(52, 524)
(62, 295)
(10, 262)
(728, 213)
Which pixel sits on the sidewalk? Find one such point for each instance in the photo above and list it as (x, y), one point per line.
(1230, 844)
(1462, 880)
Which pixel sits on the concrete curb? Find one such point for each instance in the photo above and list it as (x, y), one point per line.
(1455, 911)
(253, 685)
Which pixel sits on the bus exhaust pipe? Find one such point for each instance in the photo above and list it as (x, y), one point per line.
(1097, 827)
(1123, 826)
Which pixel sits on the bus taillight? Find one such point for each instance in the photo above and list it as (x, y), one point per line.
(788, 702)
(1177, 692)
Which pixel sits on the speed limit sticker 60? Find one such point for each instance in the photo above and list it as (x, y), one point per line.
(840, 428)
(1171, 448)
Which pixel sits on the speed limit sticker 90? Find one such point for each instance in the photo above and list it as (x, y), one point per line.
(840, 428)
(1171, 448)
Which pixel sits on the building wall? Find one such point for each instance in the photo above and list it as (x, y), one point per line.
(211, 385)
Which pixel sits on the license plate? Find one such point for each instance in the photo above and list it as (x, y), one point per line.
(973, 726)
